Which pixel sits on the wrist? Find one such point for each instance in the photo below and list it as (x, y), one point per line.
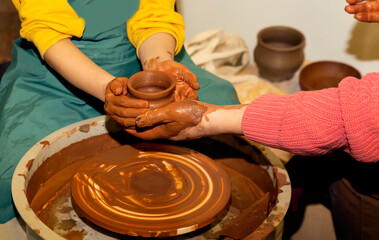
(225, 120)
(159, 46)
(103, 87)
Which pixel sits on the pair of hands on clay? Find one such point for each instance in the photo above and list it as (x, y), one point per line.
(124, 109)
(180, 120)
(189, 119)
(363, 10)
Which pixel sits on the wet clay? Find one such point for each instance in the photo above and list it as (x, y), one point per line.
(173, 118)
(172, 189)
(186, 81)
(156, 87)
(248, 220)
(49, 191)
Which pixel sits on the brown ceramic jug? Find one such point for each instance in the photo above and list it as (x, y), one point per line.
(156, 87)
(279, 52)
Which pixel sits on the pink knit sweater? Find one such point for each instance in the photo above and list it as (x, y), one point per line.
(317, 122)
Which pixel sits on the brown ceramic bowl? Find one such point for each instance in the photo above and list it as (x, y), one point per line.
(325, 74)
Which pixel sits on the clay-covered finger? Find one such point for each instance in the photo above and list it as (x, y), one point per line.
(354, 1)
(151, 118)
(367, 17)
(362, 7)
(128, 102)
(149, 134)
(183, 91)
(125, 122)
(185, 75)
(127, 112)
(116, 86)
(191, 79)
(192, 95)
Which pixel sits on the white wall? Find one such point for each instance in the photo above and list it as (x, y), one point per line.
(331, 33)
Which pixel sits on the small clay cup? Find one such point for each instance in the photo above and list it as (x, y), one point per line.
(156, 87)
(325, 74)
(279, 52)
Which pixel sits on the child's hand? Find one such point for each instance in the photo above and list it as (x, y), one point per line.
(119, 106)
(186, 81)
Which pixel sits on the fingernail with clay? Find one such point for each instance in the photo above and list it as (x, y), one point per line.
(139, 122)
(118, 90)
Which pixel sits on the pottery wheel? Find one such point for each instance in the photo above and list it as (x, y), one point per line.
(150, 190)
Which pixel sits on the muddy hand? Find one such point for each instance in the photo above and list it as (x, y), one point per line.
(363, 10)
(176, 121)
(119, 106)
(186, 81)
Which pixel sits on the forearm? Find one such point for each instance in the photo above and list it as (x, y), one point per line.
(160, 46)
(223, 120)
(65, 58)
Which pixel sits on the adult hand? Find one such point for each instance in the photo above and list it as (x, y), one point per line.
(176, 121)
(186, 81)
(119, 106)
(363, 10)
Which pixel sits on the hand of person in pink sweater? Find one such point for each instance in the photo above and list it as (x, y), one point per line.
(305, 123)
(178, 120)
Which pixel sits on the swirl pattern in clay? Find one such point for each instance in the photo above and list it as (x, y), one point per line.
(151, 190)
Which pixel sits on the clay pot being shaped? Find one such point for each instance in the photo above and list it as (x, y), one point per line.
(156, 87)
(279, 52)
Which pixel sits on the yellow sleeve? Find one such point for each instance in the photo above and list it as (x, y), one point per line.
(155, 16)
(45, 22)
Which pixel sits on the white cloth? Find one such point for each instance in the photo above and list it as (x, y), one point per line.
(218, 52)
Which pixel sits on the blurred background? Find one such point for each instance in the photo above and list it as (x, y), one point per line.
(330, 32)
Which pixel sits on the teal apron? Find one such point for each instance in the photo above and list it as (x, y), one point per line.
(35, 101)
